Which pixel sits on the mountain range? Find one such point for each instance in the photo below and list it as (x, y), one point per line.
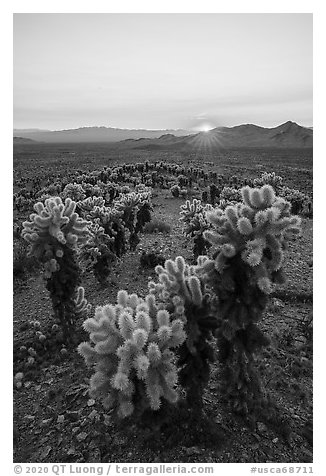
(94, 134)
(287, 135)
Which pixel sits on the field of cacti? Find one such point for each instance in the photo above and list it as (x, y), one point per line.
(162, 306)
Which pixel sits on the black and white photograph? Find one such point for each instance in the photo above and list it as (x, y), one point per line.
(162, 240)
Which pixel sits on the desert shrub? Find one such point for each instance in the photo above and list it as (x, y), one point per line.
(151, 259)
(132, 353)
(157, 226)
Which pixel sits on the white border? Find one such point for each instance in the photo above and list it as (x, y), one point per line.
(167, 6)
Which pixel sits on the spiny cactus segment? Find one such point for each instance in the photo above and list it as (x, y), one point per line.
(55, 222)
(257, 230)
(132, 352)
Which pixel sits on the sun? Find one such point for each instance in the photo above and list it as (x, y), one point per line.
(205, 127)
(208, 138)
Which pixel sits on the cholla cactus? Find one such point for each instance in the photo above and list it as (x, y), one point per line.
(230, 195)
(81, 302)
(193, 215)
(88, 204)
(295, 197)
(184, 295)
(53, 233)
(191, 209)
(73, 191)
(175, 190)
(257, 230)
(54, 224)
(130, 201)
(269, 178)
(132, 352)
(135, 212)
(143, 215)
(110, 219)
(98, 253)
(249, 239)
(177, 278)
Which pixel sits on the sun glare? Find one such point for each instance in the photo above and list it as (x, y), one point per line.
(208, 138)
(205, 128)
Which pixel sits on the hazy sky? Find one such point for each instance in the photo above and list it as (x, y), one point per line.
(161, 70)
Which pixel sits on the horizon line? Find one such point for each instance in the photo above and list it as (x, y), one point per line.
(152, 129)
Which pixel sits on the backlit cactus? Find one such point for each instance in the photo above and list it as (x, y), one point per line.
(55, 223)
(98, 253)
(193, 216)
(110, 219)
(249, 239)
(230, 194)
(257, 229)
(269, 178)
(81, 302)
(87, 205)
(74, 191)
(132, 352)
(53, 233)
(177, 278)
(297, 199)
(184, 295)
(135, 212)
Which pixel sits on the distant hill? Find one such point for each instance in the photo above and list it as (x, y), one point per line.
(94, 134)
(287, 135)
(22, 140)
